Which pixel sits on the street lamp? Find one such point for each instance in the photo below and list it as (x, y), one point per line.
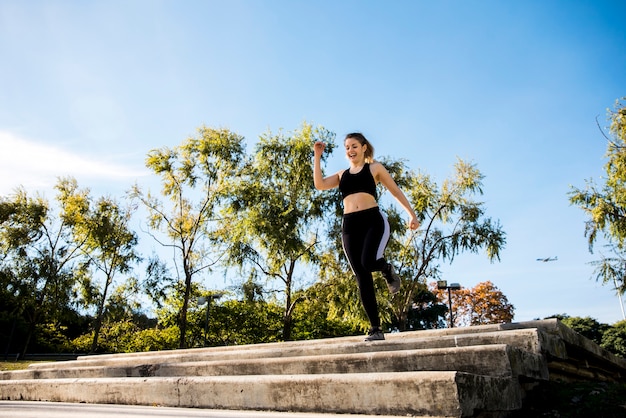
(201, 301)
(619, 297)
(443, 284)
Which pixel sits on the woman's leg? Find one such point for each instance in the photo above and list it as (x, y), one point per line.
(374, 246)
(375, 242)
(353, 238)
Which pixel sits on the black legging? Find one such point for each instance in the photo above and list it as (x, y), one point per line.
(364, 236)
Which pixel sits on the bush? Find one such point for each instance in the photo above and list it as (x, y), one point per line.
(614, 339)
(587, 327)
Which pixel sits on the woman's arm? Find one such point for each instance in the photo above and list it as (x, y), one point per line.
(381, 174)
(321, 182)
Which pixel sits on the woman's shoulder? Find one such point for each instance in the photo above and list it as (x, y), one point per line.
(376, 166)
(378, 170)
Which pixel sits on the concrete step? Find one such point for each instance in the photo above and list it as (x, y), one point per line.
(442, 394)
(451, 372)
(492, 360)
(531, 340)
(579, 358)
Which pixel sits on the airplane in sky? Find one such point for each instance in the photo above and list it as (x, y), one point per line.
(545, 260)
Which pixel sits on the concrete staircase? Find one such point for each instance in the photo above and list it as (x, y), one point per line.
(481, 371)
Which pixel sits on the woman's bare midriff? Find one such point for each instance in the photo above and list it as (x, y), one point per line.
(357, 202)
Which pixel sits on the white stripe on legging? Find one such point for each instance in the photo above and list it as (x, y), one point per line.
(384, 238)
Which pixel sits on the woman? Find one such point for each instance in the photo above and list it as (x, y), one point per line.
(365, 230)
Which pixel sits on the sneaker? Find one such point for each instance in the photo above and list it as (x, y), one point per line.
(375, 334)
(393, 281)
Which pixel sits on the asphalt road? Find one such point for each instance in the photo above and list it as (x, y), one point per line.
(27, 409)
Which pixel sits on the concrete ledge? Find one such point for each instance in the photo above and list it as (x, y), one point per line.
(421, 339)
(496, 360)
(577, 357)
(491, 360)
(446, 394)
(527, 339)
(475, 371)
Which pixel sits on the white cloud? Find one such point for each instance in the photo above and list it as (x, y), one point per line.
(36, 166)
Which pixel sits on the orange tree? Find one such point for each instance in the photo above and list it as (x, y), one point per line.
(483, 304)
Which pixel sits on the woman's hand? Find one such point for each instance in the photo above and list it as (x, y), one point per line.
(414, 223)
(318, 148)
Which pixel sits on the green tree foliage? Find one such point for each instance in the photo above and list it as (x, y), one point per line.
(336, 291)
(236, 322)
(195, 179)
(107, 243)
(328, 308)
(605, 204)
(587, 327)
(311, 321)
(335, 296)
(127, 336)
(37, 263)
(158, 281)
(123, 324)
(427, 311)
(272, 220)
(260, 213)
(614, 339)
(453, 221)
(229, 322)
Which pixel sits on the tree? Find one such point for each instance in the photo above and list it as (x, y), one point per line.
(245, 322)
(312, 318)
(195, 178)
(108, 243)
(452, 222)
(337, 291)
(605, 205)
(38, 257)
(614, 339)
(587, 327)
(272, 220)
(427, 310)
(158, 281)
(483, 304)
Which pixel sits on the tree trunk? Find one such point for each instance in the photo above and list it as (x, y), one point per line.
(183, 311)
(98, 324)
(31, 330)
(287, 317)
(96, 329)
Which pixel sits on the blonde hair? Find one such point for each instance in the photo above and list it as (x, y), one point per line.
(369, 151)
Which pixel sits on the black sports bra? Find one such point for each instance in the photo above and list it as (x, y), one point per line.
(361, 182)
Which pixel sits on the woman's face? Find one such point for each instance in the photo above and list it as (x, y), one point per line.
(355, 152)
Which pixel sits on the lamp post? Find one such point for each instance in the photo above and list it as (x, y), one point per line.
(201, 301)
(443, 284)
(619, 297)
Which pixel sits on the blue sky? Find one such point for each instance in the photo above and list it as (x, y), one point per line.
(89, 87)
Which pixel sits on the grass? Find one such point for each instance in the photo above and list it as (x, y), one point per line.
(15, 365)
